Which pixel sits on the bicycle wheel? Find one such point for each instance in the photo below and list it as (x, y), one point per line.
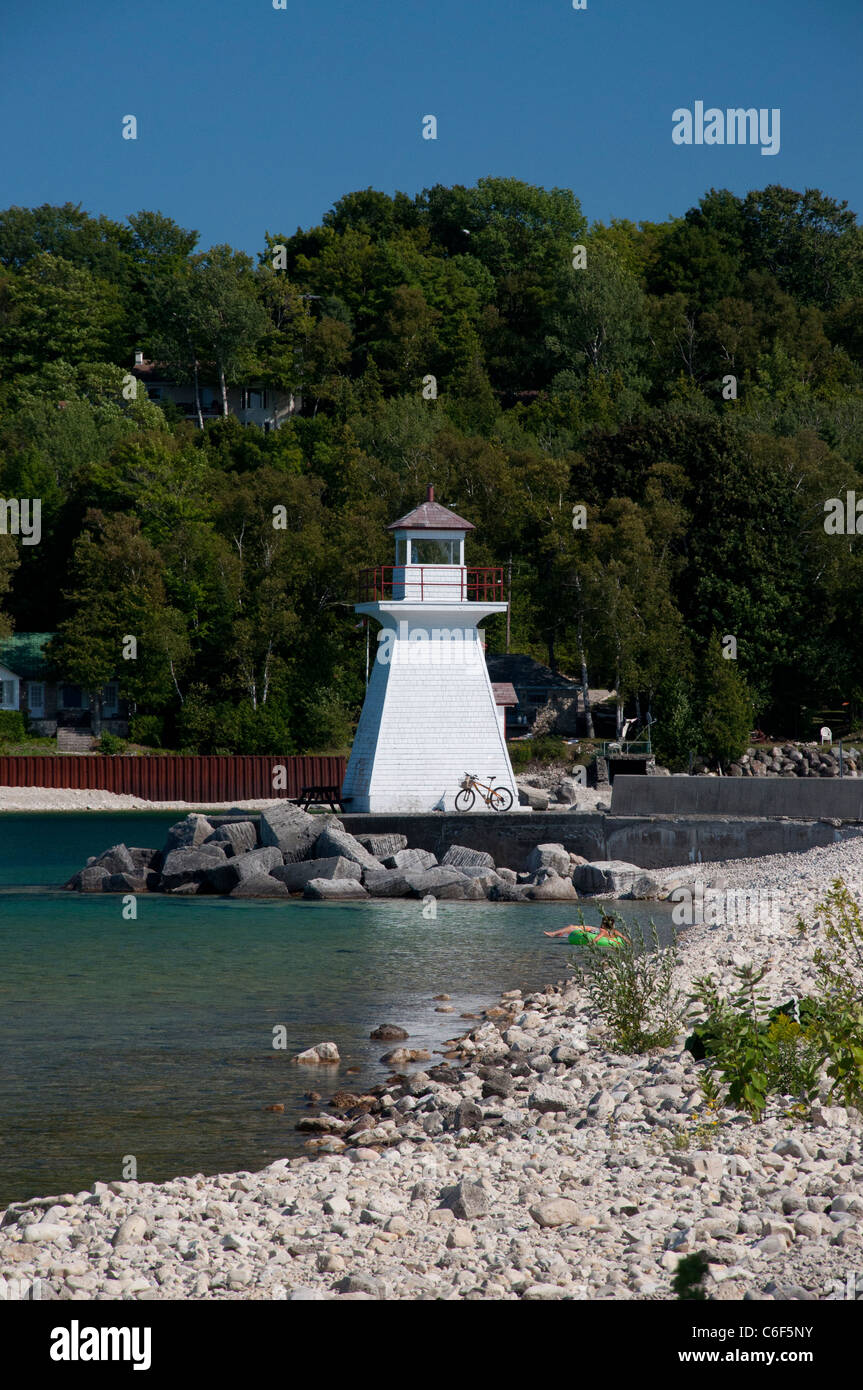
(500, 799)
(464, 800)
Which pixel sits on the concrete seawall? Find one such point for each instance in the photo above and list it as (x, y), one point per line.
(801, 797)
(652, 842)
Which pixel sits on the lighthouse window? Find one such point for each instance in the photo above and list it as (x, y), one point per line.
(401, 551)
(434, 552)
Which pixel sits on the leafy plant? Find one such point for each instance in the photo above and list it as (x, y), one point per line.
(634, 991)
(148, 729)
(689, 1276)
(12, 727)
(752, 1050)
(839, 971)
(111, 743)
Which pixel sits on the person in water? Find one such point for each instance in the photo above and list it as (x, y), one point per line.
(606, 928)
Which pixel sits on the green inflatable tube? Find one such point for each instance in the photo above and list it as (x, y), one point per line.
(581, 937)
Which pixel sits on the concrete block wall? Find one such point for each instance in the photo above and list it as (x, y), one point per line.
(816, 797)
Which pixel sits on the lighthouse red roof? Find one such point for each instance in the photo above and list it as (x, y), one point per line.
(431, 516)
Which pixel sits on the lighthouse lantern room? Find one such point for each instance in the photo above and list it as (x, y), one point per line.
(429, 714)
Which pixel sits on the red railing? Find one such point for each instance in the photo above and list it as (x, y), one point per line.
(185, 778)
(447, 583)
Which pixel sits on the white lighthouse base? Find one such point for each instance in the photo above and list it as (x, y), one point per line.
(429, 714)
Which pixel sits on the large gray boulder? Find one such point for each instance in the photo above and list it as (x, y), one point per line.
(237, 837)
(411, 859)
(548, 857)
(116, 860)
(183, 866)
(259, 886)
(296, 876)
(383, 845)
(145, 859)
(386, 883)
(467, 1200)
(333, 889)
(128, 883)
(334, 840)
(187, 834)
(292, 830)
(567, 790)
(442, 883)
(224, 877)
(505, 892)
(486, 878)
(91, 879)
(460, 857)
(551, 888)
(534, 797)
(616, 878)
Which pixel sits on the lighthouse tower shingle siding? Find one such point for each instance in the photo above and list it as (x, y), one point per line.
(430, 713)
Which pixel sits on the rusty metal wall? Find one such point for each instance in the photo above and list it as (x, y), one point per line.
(203, 779)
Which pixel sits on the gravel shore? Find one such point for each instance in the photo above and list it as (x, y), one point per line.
(69, 799)
(532, 1163)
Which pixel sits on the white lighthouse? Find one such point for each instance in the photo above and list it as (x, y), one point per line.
(429, 714)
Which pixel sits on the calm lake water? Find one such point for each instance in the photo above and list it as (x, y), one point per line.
(154, 1037)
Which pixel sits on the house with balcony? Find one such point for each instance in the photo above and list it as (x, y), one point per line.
(30, 684)
(252, 404)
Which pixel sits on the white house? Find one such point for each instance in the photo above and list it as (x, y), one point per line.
(252, 404)
(430, 713)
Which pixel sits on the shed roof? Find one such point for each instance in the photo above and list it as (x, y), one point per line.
(504, 693)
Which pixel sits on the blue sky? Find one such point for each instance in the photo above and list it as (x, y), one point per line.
(252, 119)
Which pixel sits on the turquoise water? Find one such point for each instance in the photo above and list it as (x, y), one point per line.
(153, 1037)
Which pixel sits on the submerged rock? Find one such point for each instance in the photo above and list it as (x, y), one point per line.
(321, 1052)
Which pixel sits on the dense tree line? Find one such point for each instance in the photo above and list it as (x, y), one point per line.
(695, 385)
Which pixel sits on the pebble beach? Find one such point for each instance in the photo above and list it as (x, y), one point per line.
(530, 1162)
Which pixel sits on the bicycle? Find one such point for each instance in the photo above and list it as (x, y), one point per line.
(496, 798)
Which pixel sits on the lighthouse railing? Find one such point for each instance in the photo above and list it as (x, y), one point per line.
(431, 584)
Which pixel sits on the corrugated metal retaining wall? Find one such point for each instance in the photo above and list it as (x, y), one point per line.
(202, 779)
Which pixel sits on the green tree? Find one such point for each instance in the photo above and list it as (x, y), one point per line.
(724, 707)
(8, 565)
(117, 592)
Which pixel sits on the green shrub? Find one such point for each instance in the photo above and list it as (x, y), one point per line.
(547, 749)
(520, 753)
(110, 743)
(839, 972)
(204, 727)
(147, 729)
(754, 1051)
(12, 726)
(634, 991)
